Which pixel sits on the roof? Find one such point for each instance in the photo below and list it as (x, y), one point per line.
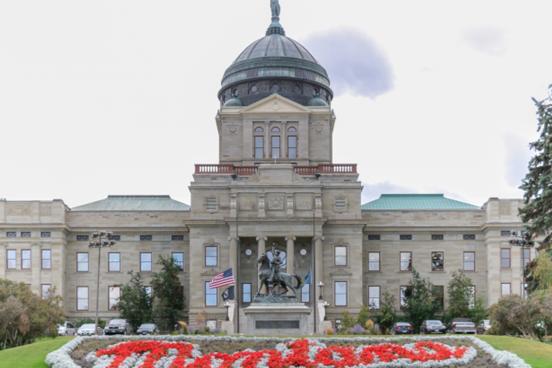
(134, 203)
(276, 45)
(398, 202)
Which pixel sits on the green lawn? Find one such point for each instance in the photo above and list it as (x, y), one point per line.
(537, 354)
(30, 356)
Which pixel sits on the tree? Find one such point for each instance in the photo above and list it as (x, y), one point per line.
(24, 316)
(135, 305)
(363, 316)
(387, 314)
(168, 292)
(420, 304)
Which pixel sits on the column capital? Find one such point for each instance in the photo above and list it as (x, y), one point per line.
(261, 237)
(319, 238)
(291, 238)
(232, 238)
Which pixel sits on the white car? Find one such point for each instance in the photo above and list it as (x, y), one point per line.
(88, 329)
(66, 329)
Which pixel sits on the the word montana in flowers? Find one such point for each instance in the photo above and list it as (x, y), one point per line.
(299, 353)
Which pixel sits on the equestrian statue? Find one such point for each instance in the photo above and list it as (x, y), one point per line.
(276, 283)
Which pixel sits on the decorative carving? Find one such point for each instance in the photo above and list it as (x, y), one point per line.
(275, 201)
(303, 201)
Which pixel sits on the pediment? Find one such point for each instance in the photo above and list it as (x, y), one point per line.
(275, 104)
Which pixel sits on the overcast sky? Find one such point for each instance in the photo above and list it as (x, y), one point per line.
(119, 96)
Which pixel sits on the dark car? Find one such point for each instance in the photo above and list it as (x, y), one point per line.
(147, 329)
(117, 327)
(433, 326)
(462, 325)
(403, 328)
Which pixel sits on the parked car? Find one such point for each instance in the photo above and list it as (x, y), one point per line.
(403, 328)
(88, 329)
(147, 329)
(484, 326)
(433, 326)
(118, 327)
(462, 325)
(66, 329)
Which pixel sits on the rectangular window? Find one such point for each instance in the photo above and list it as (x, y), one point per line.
(82, 237)
(438, 293)
(276, 147)
(45, 234)
(25, 234)
(406, 261)
(178, 259)
(374, 297)
(146, 237)
(341, 256)
(114, 297)
(211, 296)
(374, 261)
(259, 148)
(149, 291)
(114, 262)
(373, 237)
(469, 261)
(46, 259)
(11, 234)
(145, 262)
(246, 293)
(82, 262)
(211, 256)
(505, 258)
(116, 237)
(505, 289)
(45, 290)
(305, 293)
(292, 147)
(437, 261)
(404, 293)
(82, 298)
(406, 236)
(340, 288)
(468, 236)
(25, 259)
(526, 257)
(12, 259)
(177, 237)
(506, 233)
(437, 237)
(472, 297)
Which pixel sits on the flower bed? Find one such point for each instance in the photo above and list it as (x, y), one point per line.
(235, 352)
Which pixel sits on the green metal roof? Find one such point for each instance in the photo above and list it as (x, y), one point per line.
(397, 202)
(134, 203)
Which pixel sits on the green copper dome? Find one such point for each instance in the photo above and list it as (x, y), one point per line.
(276, 64)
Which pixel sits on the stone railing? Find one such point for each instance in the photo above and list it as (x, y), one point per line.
(206, 169)
(327, 169)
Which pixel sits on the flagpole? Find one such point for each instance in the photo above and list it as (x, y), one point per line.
(237, 294)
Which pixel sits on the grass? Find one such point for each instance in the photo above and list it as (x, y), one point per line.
(30, 356)
(537, 354)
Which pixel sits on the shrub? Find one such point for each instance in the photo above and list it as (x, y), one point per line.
(387, 314)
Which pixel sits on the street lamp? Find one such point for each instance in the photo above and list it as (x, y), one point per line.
(523, 240)
(320, 286)
(101, 239)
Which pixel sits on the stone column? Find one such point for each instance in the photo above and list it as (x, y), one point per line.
(290, 251)
(3, 261)
(233, 256)
(261, 248)
(36, 268)
(318, 266)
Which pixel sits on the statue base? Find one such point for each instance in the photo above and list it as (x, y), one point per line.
(277, 319)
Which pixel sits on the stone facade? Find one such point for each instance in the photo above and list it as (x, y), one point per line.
(275, 186)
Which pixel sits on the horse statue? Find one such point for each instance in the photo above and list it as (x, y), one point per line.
(271, 278)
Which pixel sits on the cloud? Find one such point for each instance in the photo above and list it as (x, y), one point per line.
(373, 191)
(360, 67)
(517, 160)
(488, 40)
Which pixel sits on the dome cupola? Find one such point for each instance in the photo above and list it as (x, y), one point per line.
(275, 64)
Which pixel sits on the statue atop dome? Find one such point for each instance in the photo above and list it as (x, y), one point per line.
(275, 6)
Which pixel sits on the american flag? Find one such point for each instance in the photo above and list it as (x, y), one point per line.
(225, 278)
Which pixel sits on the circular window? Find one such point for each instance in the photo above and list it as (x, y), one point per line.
(248, 252)
(303, 252)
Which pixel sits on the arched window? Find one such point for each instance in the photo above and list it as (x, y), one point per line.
(292, 143)
(259, 143)
(276, 143)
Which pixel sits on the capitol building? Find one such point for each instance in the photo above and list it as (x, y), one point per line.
(275, 186)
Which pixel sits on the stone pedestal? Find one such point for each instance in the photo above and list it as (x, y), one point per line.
(277, 319)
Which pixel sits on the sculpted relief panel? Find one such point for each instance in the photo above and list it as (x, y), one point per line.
(303, 201)
(248, 202)
(276, 201)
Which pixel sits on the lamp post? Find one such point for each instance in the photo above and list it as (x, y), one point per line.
(101, 239)
(523, 240)
(320, 286)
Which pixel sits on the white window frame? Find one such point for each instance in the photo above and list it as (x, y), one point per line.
(79, 262)
(338, 296)
(372, 262)
(146, 262)
(46, 261)
(374, 297)
(114, 296)
(82, 298)
(210, 292)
